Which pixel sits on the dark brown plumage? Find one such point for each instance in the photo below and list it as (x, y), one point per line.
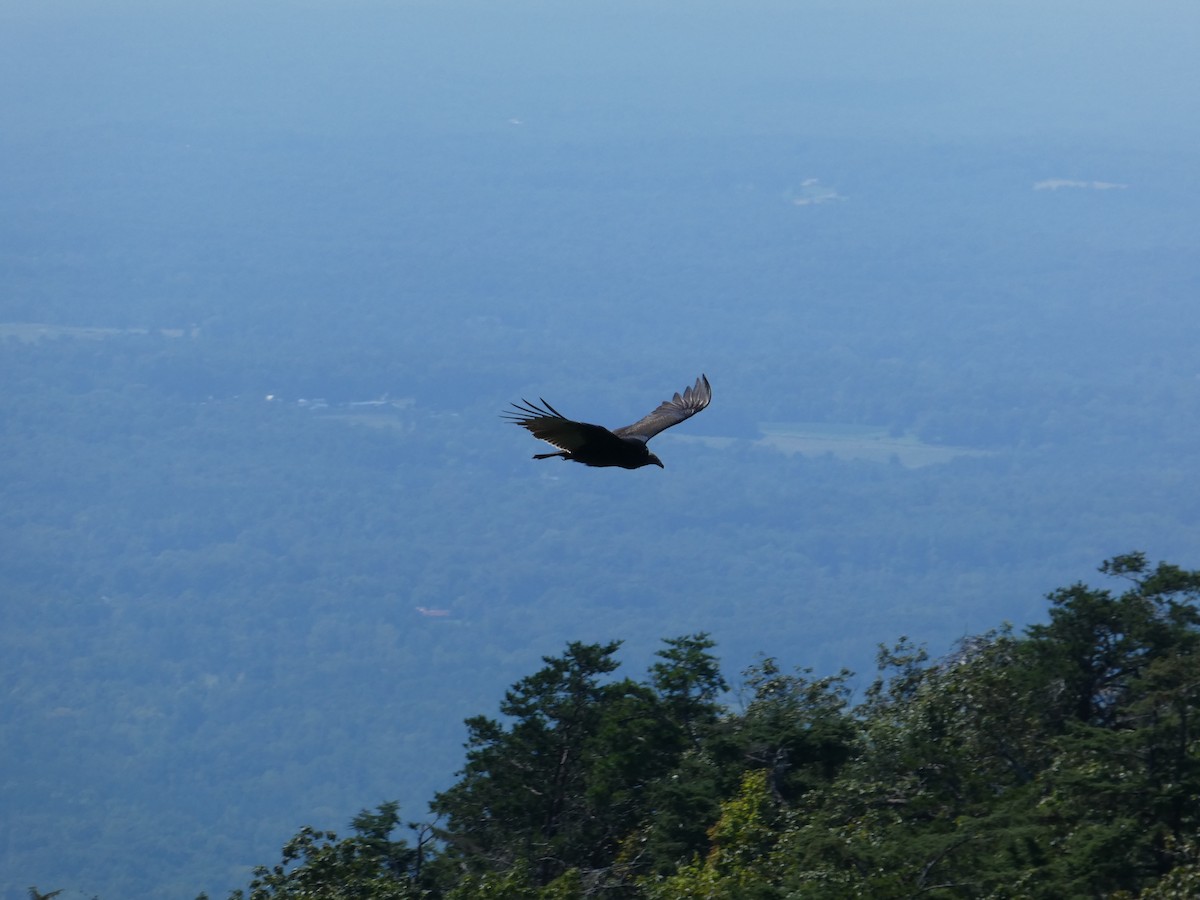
(595, 445)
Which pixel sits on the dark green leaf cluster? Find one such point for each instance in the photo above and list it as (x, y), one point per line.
(580, 764)
(369, 865)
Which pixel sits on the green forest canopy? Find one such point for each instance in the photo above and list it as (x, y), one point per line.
(1059, 762)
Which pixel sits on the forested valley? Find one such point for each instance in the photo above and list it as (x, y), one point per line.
(1061, 761)
(261, 557)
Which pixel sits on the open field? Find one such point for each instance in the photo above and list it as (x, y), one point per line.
(847, 442)
(32, 332)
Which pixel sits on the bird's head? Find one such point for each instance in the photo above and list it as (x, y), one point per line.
(654, 460)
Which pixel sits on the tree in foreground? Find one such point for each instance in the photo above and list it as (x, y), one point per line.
(557, 788)
(369, 865)
(1062, 762)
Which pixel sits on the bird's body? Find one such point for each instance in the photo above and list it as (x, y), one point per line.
(595, 445)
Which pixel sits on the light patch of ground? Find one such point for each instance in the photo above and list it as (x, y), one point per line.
(32, 332)
(847, 442)
(379, 422)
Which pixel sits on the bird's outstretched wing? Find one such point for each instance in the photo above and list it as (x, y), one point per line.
(670, 412)
(548, 424)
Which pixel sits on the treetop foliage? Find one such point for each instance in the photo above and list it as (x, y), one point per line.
(1061, 762)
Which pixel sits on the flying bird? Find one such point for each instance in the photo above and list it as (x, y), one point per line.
(595, 445)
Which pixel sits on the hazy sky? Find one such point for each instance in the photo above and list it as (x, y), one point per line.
(937, 68)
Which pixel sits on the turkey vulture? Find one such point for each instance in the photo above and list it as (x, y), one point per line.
(595, 445)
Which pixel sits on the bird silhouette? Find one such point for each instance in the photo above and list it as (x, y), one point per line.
(595, 445)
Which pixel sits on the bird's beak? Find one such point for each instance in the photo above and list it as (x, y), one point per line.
(658, 462)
